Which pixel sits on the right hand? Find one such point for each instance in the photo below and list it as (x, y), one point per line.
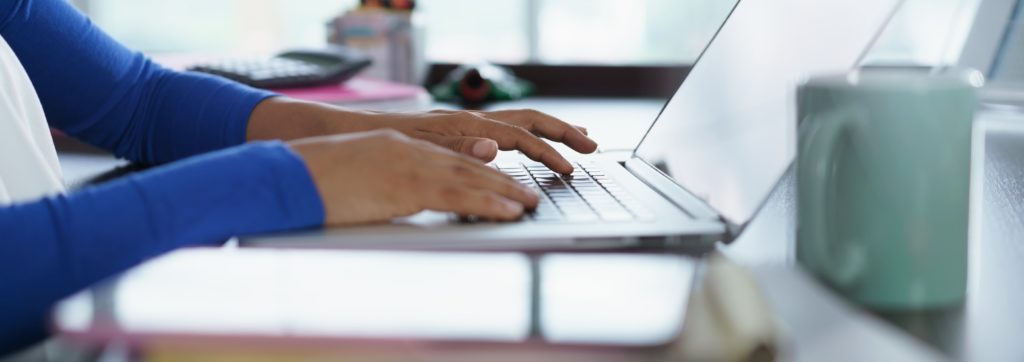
(377, 176)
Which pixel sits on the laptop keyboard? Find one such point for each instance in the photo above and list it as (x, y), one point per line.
(586, 195)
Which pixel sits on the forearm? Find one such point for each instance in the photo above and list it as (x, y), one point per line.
(95, 89)
(287, 119)
(56, 246)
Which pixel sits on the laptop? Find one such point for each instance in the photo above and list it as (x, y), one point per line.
(705, 166)
(994, 45)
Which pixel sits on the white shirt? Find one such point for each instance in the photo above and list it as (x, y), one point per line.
(28, 162)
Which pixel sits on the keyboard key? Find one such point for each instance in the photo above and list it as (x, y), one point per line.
(551, 186)
(603, 204)
(596, 194)
(615, 191)
(563, 192)
(547, 208)
(584, 195)
(600, 198)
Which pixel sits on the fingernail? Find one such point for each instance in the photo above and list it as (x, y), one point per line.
(531, 193)
(513, 207)
(485, 149)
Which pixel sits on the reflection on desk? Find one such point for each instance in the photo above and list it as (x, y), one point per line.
(261, 297)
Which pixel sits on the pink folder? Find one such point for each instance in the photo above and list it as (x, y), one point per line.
(356, 90)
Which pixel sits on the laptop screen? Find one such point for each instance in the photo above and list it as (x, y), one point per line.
(1009, 62)
(729, 132)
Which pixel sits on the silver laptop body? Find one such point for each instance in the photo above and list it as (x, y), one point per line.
(706, 164)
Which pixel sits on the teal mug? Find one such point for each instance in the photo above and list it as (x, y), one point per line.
(883, 170)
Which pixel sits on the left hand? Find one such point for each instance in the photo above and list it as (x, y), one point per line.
(474, 133)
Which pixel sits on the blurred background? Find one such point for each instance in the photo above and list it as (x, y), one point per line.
(547, 32)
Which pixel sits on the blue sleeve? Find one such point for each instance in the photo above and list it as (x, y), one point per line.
(57, 246)
(96, 90)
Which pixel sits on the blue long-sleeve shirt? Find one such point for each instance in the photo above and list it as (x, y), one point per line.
(96, 90)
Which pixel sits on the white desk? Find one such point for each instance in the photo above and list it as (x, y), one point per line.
(819, 326)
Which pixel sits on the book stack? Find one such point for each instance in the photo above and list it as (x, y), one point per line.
(390, 33)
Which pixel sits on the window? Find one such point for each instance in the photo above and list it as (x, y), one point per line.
(926, 32)
(658, 32)
(573, 31)
(244, 26)
(614, 31)
(491, 30)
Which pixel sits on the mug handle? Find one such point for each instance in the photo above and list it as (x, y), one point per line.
(844, 261)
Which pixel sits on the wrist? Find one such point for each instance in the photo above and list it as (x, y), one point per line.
(338, 120)
(287, 119)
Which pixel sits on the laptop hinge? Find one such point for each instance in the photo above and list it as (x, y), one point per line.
(732, 231)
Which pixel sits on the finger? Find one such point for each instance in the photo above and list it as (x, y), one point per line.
(483, 149)
(509, 137)
(471, 202)
(475, 176)
(472, 173)
(469, 172)
(516, 138)
(548, 127)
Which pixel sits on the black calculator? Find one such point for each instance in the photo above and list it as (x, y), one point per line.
(291, 69)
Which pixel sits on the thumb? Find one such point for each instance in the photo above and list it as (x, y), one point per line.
(479, 148)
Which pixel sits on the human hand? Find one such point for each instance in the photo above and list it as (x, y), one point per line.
(478, 134)
(482, 134)
(379, 175)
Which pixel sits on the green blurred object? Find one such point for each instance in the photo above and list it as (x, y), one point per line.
(474, 84)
